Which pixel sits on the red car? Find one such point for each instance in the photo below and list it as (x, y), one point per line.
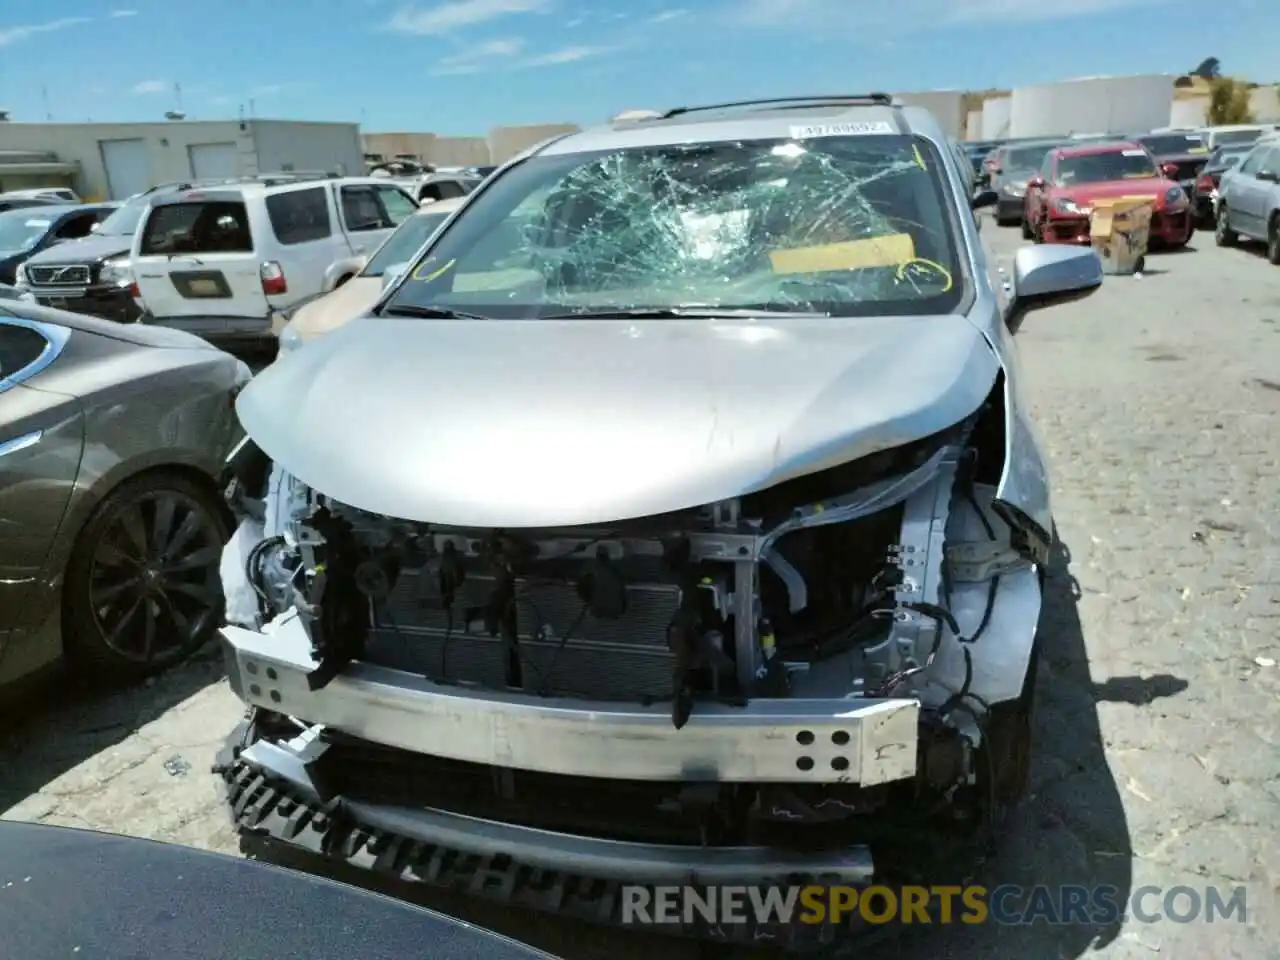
(1060, 198)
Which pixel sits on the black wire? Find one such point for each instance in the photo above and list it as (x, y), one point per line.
(444, 647)
(551, 670)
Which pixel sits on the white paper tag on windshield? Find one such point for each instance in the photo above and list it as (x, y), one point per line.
(841, 129)
(1134, 153)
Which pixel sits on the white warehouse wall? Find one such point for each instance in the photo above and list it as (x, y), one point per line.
(1264, 103)
(1092, 105)
(947, 107)
(973, 125)
(1191, 112)
(995, 118)
(296, 145)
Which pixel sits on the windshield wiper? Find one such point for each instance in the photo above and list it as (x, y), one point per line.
(682, 313)
(428, 313)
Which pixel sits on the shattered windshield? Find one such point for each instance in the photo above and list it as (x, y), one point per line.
(1101, 167)
(840, 225)
(408, 239)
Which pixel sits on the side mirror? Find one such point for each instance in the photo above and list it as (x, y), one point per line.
(393, 273)
(983, 199)
(1170, 170)
(1045, 276)
(1270, 176)
(1035, 183)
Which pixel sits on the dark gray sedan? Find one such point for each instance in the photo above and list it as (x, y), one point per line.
(112, 443)
(1015, 163)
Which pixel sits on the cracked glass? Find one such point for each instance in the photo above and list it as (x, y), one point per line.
(839, 226)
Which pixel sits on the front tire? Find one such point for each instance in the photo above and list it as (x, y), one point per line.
(1223, 235)
(142, 589)
(1273, 240)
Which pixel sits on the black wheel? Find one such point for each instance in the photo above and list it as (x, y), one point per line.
(1223, 235)
(1273, 240)
(1027, 234)
(142, 588)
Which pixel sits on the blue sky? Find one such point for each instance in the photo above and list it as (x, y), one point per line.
(463, 66)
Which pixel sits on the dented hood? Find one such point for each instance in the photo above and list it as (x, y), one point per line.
(547, 423)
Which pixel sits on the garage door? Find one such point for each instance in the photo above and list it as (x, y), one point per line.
(213, 161)
(128, 164)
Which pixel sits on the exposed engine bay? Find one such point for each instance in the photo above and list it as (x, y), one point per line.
(842, 596)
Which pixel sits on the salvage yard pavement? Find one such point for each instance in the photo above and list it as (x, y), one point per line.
(1158, 756)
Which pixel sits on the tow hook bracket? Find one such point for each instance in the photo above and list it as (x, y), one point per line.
(981, 560)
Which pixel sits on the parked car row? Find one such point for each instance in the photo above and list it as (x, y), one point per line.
(1247, 199)
(217, 258)
(1049, 187)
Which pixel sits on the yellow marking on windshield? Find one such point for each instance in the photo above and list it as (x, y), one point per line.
(1139, 176)
(919, 157)
(887, 251)
(931, 269)
(434, 274)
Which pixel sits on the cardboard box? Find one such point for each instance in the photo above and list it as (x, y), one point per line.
(1119, 231)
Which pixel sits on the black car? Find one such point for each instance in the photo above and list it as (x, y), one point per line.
(91, 274)
(977, 151)
(1184, 153)
(1221, 160)
(27, 231)
(139, 898)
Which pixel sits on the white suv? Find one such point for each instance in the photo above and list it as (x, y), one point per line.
(219, 260)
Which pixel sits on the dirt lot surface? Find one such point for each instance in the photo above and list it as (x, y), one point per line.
(1159, 722)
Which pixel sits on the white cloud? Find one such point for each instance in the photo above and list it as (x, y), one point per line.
(484, 56)
(149, 87)
(907, 16)
(118, 14)
(576, 22)
(276, 89)
(12, 35)
(668, 15)
(447, 17)
(564, 55)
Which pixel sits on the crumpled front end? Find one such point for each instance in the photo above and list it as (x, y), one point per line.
(788, 685)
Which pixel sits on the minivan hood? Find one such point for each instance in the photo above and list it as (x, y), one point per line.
(536, 423)
(84, 250)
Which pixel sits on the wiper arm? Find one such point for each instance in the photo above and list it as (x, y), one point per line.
(683, 313)
(428, 313)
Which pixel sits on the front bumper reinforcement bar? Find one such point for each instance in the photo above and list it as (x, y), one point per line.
(816, 741)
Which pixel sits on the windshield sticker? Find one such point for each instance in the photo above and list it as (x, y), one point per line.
(841, 129)
(890, 251)
(38, 223)
(1134, 153)
(1198, 150)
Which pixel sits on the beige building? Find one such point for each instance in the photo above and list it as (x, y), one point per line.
(111, 161)
(502, 144)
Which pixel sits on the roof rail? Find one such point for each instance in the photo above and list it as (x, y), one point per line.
(840, 99)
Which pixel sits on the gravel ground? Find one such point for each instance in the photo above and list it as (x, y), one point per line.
(1157, 759)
